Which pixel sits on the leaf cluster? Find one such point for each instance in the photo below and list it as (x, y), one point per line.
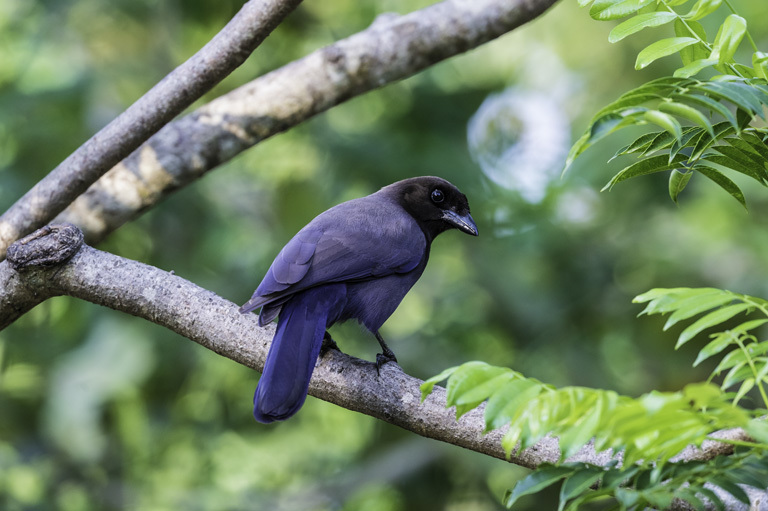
(648, 431)
(707, 126)
(690, 39)
(640, 487)
(744, 357)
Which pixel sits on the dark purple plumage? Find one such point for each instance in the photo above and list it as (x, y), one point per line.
(355, 261)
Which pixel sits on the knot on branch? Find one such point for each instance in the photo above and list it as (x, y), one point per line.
(49, 246)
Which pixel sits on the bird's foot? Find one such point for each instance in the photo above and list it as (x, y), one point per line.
(328, 344)
(386, 354)
(383, 358)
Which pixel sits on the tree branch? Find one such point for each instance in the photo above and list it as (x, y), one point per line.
(392, 48)
(188, 82)
(34, 273)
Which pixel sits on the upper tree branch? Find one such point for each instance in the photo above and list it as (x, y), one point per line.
(393, 48)
(43, 265)
(188, 82)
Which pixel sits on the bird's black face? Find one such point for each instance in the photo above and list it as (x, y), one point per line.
(436, 204)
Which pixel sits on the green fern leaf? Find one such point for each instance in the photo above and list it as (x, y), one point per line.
(712, 319)
(639, 22)
(662, 48)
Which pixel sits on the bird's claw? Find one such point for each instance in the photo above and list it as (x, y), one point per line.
(383, 358)
(328, 344)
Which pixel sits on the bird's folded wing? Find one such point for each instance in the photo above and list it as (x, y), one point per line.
(321, 254)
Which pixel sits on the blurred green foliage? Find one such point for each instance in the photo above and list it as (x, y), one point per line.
(103, 411)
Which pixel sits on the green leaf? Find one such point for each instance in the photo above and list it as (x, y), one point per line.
(702, 8)
(655, 89)
(646, 166)
(658, 292)
(578, 483)
(738, 94)
(702, 395)
(659, 497)
(640, 143)
(728, 38)
(722, 181)
(741, 150)
(690, 133)
(697, 304)
(746, 386)
(738, 373)
(485, 386)
(661, 49)
(702, 143)
(627, 497)
(427, 386)
(713, 318)
(749, 325)
(713, 348)
(615, 477)
(613, 9)
(663, 300)
(665, 121)
(733, 164)
(578, 147)
(582, 430)
(542, 477)
(691, 497)
(687, 112)
(760, 64)
(712, 497)
(758, 429)
(732, 359)
(692, 29)
(731, 488)
(639, 22)
(707, 102)
(677, 182)
(743, 475)
(466, 379)
(505, 403)
(757, 144)
(694, 67)
(662, 140)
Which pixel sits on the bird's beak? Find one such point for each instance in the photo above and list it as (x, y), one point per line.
(463, 223)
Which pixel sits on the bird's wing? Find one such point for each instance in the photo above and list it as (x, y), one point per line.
(340, 245)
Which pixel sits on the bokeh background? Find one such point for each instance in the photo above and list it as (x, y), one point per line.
(101, 411)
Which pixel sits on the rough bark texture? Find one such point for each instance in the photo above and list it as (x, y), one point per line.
(392, 48)
(215, 323)
(188, 82)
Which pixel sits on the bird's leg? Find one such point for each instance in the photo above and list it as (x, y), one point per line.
(328, 344)
(386, 354)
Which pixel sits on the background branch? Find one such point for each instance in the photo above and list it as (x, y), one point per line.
(33, 273)
(392, 48)
(188, 82)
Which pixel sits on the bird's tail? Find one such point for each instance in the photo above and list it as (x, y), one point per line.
(296, 345)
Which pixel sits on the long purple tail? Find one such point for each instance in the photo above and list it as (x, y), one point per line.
(291, 360)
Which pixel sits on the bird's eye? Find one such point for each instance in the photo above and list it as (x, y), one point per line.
(437, 196)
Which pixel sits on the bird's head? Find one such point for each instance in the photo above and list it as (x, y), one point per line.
(435, 203)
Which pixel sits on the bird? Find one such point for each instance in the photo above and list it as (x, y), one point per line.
(357, 260)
